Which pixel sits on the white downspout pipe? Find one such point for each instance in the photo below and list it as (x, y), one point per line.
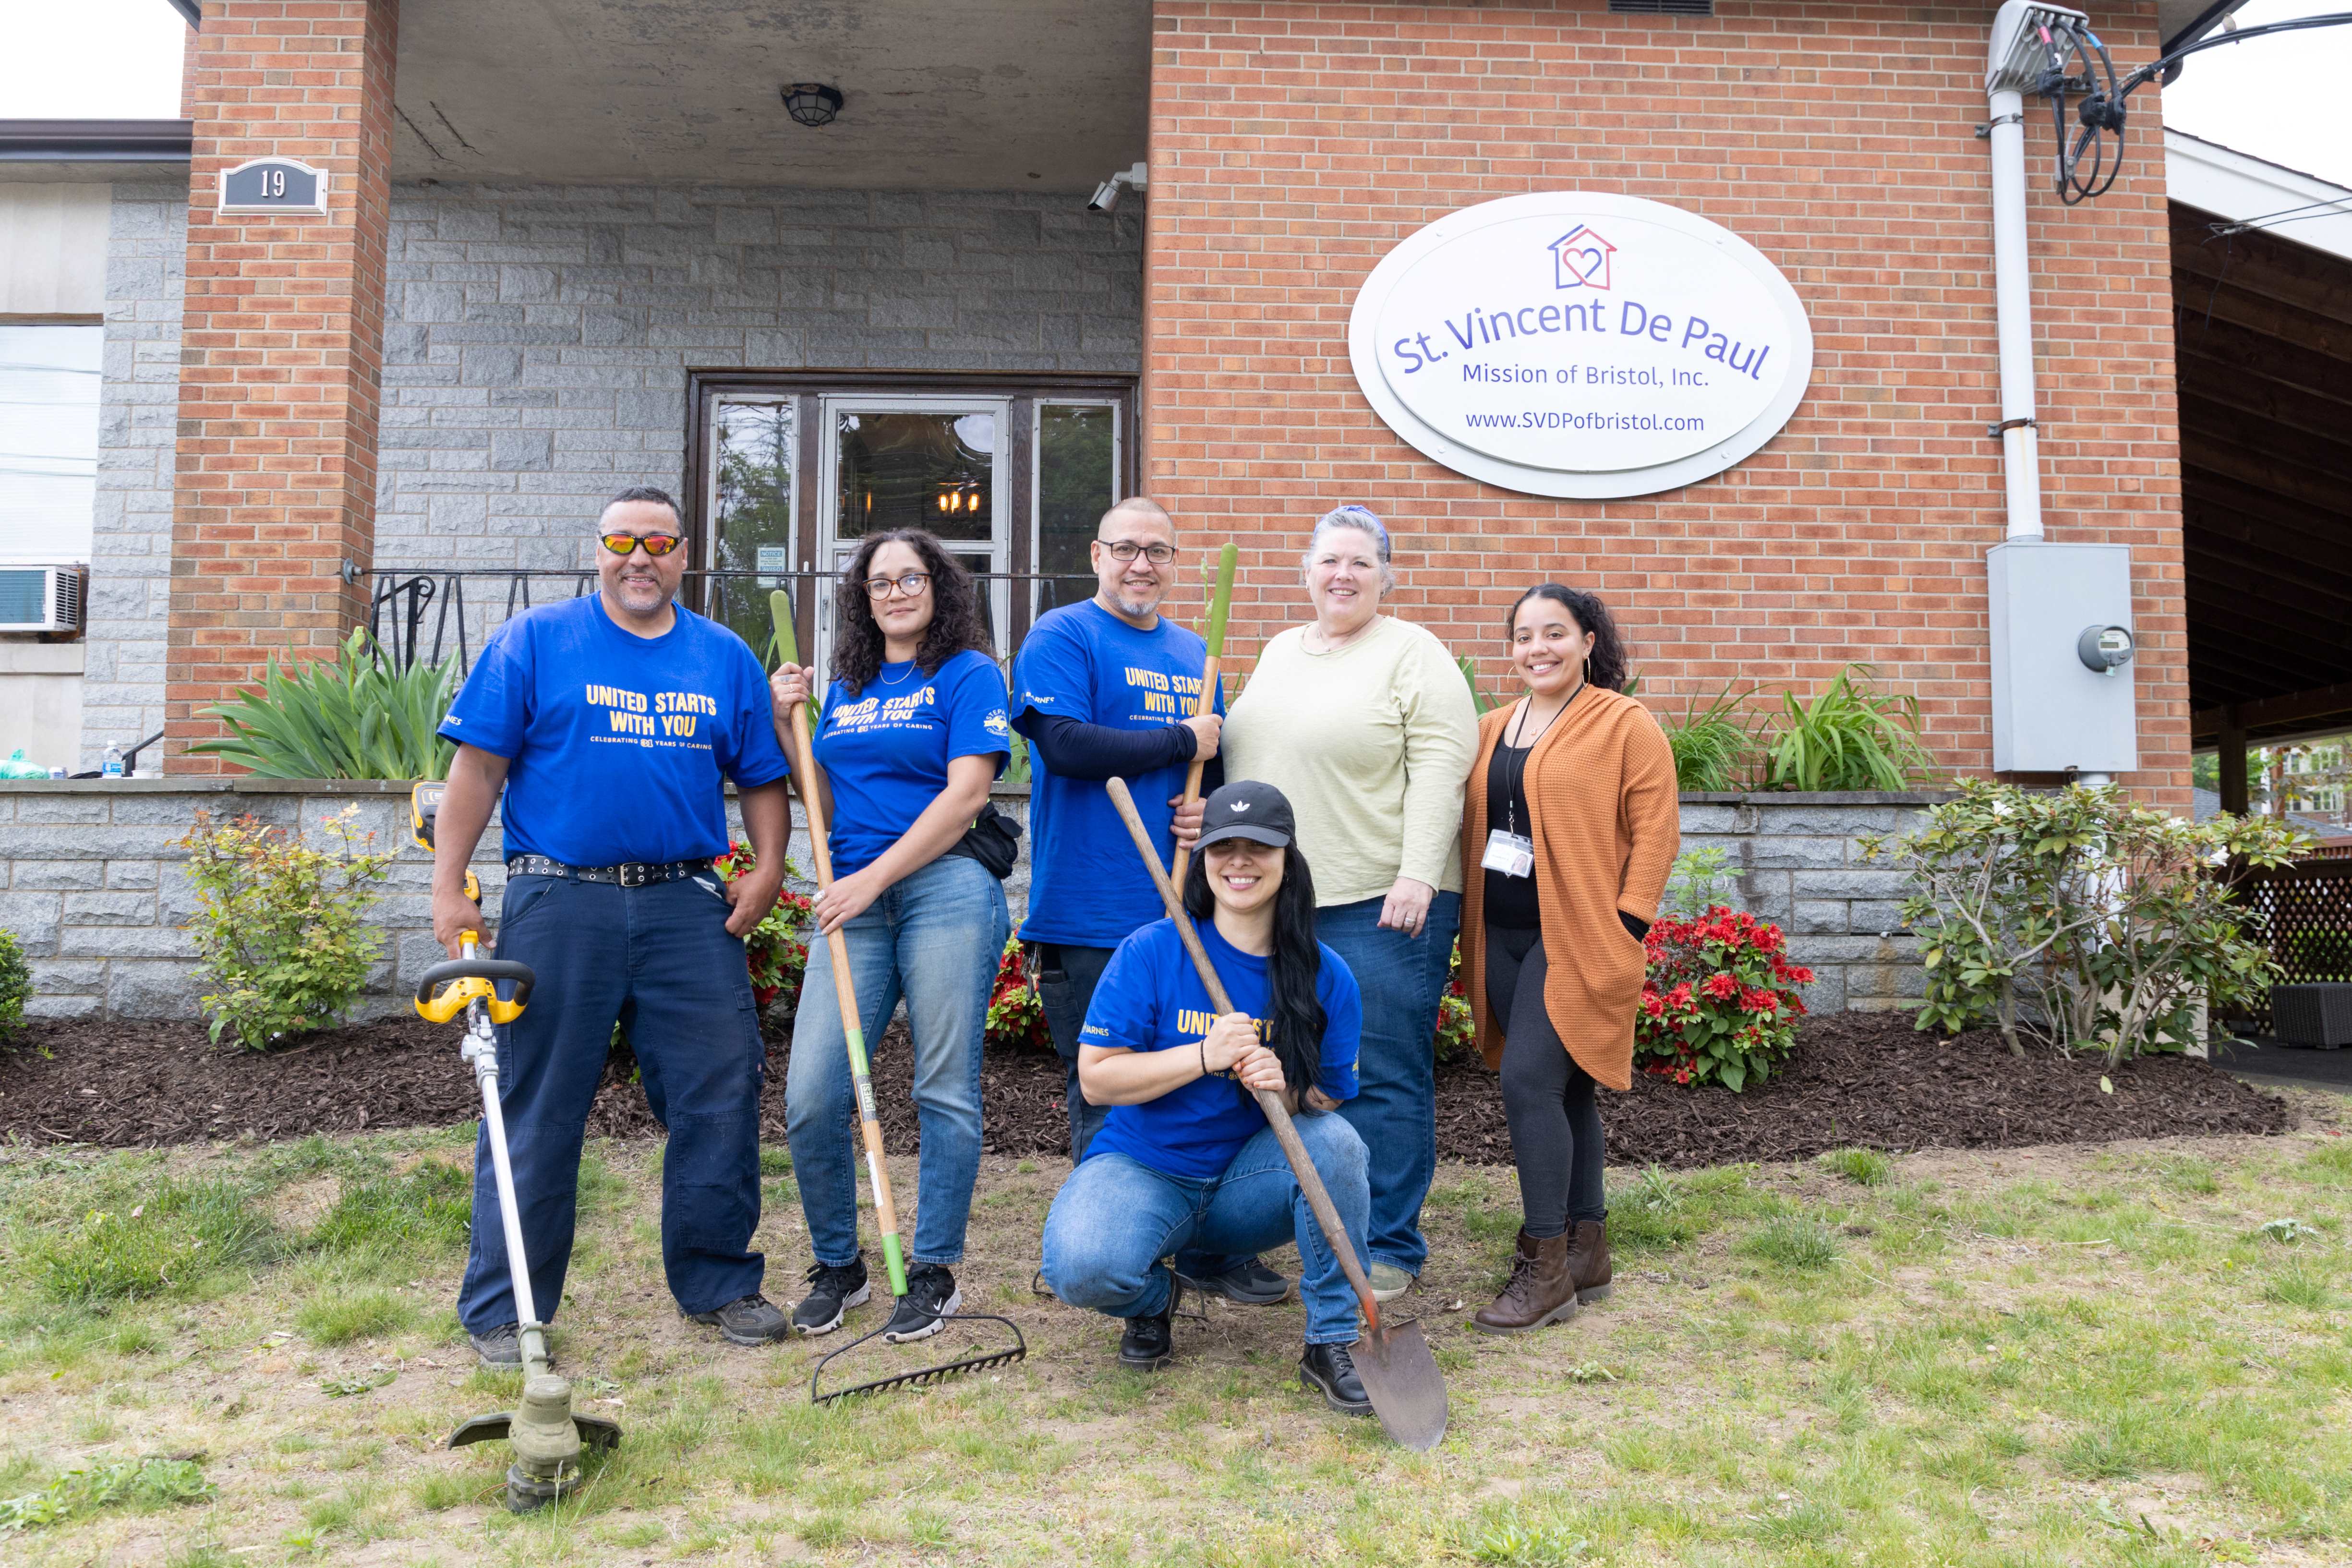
(2021, 445)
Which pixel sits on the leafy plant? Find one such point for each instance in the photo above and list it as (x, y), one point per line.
(280, 928)
(2108, 922)
(1700, 876)
(1713, 745)
(1016, 1017)
(777, 948)
(139, 1484)
(1720, 1003)
(352, 717)
(16, 985)
(1469, 669)
(1848, 738)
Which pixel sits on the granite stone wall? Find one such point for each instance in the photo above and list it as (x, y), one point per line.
(92, 882)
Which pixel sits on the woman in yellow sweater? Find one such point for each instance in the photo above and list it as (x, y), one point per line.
(1574, 822)
(1364, 721)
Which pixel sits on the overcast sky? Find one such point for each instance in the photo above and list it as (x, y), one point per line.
(2284, 99)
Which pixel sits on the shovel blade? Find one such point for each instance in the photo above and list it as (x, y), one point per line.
(1408, 1392)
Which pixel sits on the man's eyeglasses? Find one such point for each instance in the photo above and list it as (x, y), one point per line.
(655, 544)
(1128, 549)
(910, 583)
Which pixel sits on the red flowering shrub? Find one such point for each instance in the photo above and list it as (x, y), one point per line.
(1719, 1004)
(1016, 1019)
(1456, 1040)
(777, 949)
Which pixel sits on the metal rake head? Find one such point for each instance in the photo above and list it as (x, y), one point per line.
(921, 1376)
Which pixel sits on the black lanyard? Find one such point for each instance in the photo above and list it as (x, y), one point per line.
(1518, 763)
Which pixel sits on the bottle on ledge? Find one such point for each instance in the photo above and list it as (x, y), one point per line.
(112, 767)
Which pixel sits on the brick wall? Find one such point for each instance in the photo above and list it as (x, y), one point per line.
(281, 343)
(1294, 144)
(139, 406)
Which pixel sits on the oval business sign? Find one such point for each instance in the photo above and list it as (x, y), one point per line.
(1578, 343)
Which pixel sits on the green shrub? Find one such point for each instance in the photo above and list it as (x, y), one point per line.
(1713, 745)
(279, 924)
(2097, 915)
(15, 986)
(136, 1484)
(1848, 738)
(163, 1237)
(354, 717)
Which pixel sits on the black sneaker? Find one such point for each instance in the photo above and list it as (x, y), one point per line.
(750, 1319)
(501, 1348)
(834, 1289)
(1330, 1371)
(1249, 1283)
(1150, 1342)
(931, 1294)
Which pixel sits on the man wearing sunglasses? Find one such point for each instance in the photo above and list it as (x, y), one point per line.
(611, 722)
(1106, 689)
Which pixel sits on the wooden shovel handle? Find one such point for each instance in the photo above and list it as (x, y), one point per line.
(1277, 1115)
(1221, 599)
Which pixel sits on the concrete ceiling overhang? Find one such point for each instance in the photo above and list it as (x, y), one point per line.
(1047, 95)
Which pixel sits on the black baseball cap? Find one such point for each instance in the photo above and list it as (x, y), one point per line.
(1249, 809)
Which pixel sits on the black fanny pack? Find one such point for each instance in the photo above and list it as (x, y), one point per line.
(993, 839)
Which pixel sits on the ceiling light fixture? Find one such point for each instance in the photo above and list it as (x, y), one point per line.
(812, 102)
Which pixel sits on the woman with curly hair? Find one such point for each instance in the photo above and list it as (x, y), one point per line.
(1573, 819)
(913, 732)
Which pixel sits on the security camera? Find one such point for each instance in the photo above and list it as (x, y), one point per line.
(1105, 194)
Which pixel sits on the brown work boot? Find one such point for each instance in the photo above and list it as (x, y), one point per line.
(1541, 1291)
(1588, 1259)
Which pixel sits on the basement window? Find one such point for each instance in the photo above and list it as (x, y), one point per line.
(1663, 7)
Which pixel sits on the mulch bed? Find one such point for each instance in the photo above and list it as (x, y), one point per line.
(1855, 1079)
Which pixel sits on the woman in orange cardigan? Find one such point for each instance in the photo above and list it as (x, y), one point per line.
(1571, 814)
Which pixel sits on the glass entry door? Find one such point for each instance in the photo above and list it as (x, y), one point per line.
(936, 463)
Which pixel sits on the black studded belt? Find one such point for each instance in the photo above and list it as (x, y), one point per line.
(635, 874)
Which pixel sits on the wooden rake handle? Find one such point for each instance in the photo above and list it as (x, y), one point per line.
(1220, 600)
(1277, 1115)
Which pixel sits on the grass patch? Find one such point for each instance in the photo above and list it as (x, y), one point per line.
(422, 1211)
(136, 1484)
(167, 1239)
(1793, 1242)
(337, 1317)
(1864, 1167)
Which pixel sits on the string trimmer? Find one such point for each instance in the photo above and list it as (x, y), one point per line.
(546, 1432)
(1408, 1392)
(885, 1212)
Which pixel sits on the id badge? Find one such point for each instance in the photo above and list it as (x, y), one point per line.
(1512, 854)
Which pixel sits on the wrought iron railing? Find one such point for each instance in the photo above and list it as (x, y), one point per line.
(421, 612)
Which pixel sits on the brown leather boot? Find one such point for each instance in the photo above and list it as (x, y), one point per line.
(1588, 1259)
(1541, 1291)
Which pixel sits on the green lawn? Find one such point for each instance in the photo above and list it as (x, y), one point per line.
(2136, 1355)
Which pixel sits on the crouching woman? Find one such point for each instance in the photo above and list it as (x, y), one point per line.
(1185, 1161)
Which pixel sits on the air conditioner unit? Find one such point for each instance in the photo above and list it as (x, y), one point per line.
(41, 598)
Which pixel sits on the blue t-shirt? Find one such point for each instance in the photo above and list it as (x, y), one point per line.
(617, 745)
(1150, 998)
(1085, 885)
(886, 751)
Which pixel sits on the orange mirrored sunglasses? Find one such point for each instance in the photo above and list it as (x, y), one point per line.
(655, 543)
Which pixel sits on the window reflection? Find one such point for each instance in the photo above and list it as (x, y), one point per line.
(931, 470)
(752, 521)
(1077, 455)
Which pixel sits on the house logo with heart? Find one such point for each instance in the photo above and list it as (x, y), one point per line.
(1581, 259)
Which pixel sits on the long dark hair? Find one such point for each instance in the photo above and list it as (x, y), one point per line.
(1605, 665)
(1292, 969)
(955, 611)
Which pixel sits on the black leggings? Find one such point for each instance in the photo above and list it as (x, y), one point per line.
(1555, 1138)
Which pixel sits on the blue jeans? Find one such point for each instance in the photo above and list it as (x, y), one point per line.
(1115, 1218)
(659, 962)
(1402, 978)
(933, 938)
(1067, 978)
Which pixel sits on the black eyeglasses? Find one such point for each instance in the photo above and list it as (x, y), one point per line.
(1128, 549)
(910, 583)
